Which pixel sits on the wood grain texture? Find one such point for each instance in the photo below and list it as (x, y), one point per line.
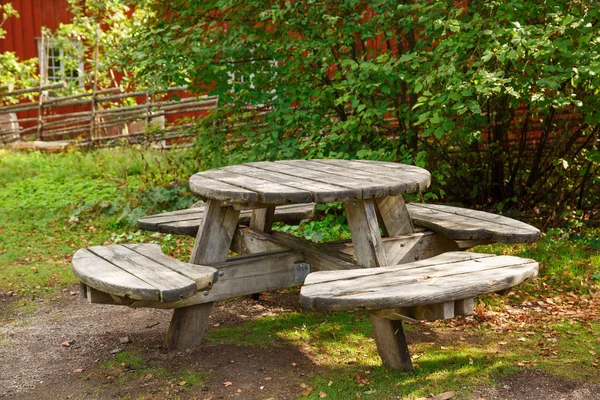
(140, 272)
(444, 278)
(187, 326)
(464, 224)
(322, 192)
(394, 216)
(391, 343)
(402, 249)
(366, 238)
(262, 219)
(303, 181)
(241, 276)
(186, 222)
(213, 240)
(215, 234)
(267, 192)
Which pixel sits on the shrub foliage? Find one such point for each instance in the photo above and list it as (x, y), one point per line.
(498, 98)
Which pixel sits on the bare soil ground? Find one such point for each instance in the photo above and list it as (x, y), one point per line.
(60, 351)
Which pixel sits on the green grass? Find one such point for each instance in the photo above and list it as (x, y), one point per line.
(53, 204)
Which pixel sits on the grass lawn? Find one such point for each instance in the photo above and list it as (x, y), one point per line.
(53, 204)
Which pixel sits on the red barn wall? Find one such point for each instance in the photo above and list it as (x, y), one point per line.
(23, 32)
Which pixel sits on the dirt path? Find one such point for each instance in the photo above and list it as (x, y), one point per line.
(65, 349)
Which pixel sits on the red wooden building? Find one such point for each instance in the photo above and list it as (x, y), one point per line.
(24, 33)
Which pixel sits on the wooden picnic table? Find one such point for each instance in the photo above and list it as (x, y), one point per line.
(421, 274)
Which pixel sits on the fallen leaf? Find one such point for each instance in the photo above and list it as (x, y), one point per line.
(294, 364)
(470, 361)
(521, 339)
(66, 343)
(227, 383)
(329, 383)
(443, 396)
(182, 383)
(268, 378)
(77, 371)
(239, 390)
(322, 395)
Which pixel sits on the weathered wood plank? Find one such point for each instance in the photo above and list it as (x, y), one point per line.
(214, 234)
(366, 238)
(186, 222)
(391, 343)
(246, 241)
(361, 189)
(422, 176)
(464, 306)
(203, 276)
(405, 248)
(107, 277)
(379, 185)
(170, 284)
(262, 219)
(268, 192)
(217, 190)
(394, 216)
(242, 276)
(432, 312)
(416, 284)
(213, 240)
(464, 224)
(322, 192)
(188, 326)
(403, 180)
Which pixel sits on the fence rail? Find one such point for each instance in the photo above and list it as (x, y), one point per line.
(97, 116)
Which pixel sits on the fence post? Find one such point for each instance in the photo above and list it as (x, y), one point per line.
(95, 87)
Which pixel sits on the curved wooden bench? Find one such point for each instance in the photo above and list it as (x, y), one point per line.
(455, 223)
(436, 288)
(186, 222)
(140, 272)
(448, 277)
(463, 224)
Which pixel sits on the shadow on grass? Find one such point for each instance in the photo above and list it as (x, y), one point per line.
(344, 353)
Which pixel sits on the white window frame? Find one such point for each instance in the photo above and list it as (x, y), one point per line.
(43, 56)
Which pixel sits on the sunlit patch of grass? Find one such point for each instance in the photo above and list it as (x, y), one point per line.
(53, 204)
(445, 359)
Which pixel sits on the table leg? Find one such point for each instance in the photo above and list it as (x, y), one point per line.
(214, 237)
(391, 343)
(262, 221)
(369, 251)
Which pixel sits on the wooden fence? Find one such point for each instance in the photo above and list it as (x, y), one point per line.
(99, 116)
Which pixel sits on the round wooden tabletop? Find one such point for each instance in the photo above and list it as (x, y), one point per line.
(307, 181)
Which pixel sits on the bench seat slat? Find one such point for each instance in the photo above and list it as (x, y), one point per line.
(439, 279)
(186, 222)
(202, 275)
(107, 277)
(464, 224)
(171, 285)
(140, 272)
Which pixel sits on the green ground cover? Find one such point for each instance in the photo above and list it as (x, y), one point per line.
(52, 204)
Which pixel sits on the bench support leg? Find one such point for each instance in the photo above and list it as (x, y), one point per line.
(187, 327)
(391, 343)
(213, 240)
